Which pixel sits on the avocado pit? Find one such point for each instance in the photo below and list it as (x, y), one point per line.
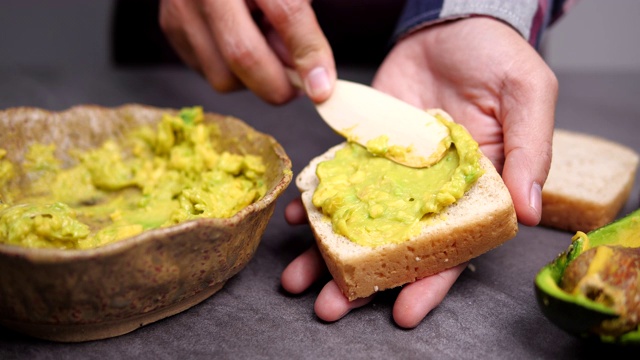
(608, 275)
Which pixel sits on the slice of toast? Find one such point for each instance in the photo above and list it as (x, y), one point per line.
(589, 181)
(478, 222)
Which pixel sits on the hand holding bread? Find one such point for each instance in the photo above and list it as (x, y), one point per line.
(505, 98)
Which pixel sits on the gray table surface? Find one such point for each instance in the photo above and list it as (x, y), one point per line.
(490, 313)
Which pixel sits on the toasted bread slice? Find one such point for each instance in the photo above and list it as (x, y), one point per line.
(589, 181)
(478, 222)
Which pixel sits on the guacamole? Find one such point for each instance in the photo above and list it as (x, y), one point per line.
(374, 201)
(379, 146)
(152, 178)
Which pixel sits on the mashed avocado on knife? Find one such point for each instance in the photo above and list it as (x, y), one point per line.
(153, 178)
(373, 201)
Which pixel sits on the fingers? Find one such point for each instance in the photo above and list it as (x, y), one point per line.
(245, 50)
(221, 40)
(195, 44)
(417, 299)
(414, 302)
(331, 305)
(310, 52)
(295, 213)
(303, 271)
(529, 103)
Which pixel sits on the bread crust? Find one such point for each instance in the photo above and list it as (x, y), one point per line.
(481, 220)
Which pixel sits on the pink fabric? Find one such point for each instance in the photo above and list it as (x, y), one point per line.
(538, 21)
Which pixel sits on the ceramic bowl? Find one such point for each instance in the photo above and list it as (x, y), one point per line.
(80, 295)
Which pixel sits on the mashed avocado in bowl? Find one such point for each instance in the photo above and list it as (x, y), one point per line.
(152, 178)
(112, 218)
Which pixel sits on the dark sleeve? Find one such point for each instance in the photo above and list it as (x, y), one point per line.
(529, 17)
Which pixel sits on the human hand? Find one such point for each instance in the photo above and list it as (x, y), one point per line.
(414, 302)
(236, 44)
(492, 81)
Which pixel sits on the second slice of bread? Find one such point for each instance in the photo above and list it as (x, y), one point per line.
(589, 181)
(481, 220)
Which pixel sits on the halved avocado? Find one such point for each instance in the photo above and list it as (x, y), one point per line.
(592, 310)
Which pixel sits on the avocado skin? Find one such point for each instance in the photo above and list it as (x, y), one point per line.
(568, 316)
(561, 308)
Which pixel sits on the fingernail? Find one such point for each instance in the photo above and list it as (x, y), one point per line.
(535, 198)
(317, 84)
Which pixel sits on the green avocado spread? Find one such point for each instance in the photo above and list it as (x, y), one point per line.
(374, 201)
(153, 178)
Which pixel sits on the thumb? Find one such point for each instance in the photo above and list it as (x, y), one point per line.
(528, 133)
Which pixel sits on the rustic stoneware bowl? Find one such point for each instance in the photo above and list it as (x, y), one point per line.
(80, 295)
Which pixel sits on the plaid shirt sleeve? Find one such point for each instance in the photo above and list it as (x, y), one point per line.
(529, 17)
